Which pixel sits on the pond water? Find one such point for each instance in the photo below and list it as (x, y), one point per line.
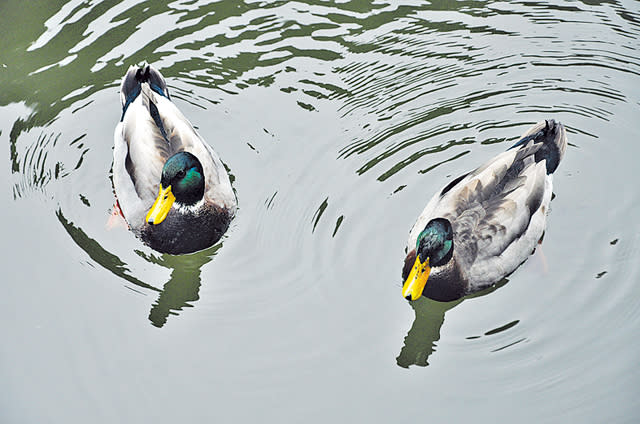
(337, 122)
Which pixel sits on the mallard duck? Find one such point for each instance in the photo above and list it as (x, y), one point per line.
(172, 188)
(482, 225)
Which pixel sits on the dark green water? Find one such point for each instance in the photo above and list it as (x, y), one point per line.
(337, 121)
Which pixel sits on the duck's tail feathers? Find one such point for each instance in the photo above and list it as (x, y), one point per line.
(553, 137)
(132, 84)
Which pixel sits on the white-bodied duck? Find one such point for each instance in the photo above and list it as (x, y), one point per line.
(172, 188)
(482, 225)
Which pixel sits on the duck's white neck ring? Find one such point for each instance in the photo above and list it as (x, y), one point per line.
(185, 209)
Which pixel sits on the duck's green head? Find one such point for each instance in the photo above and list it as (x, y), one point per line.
(433, 248)
(182, 183)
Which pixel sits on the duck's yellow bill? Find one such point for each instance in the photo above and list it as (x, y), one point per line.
(161, 206)
(416, 280)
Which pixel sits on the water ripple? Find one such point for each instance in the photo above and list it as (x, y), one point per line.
(398, 98)
(337, 121)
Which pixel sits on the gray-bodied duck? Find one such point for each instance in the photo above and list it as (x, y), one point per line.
(482, 225)
(172, 188)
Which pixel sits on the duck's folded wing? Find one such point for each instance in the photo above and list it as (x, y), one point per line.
(147, 147)
(493, 207)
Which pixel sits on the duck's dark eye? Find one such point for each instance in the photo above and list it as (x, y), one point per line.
(180, 173)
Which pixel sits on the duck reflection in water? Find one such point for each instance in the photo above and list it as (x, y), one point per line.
(183, 285)
(422, 338)
(179, 292)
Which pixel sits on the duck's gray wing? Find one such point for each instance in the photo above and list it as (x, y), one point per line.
(494, 210)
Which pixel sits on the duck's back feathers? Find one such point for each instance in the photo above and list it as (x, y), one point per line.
(153, 129)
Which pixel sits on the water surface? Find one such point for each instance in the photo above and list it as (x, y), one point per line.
(337, 122)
